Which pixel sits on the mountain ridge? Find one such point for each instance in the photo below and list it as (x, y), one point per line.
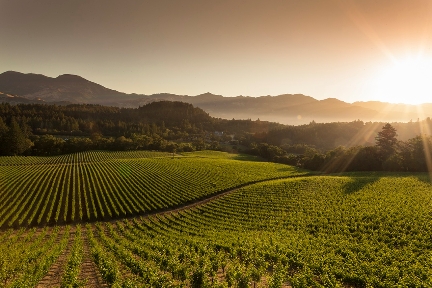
(285, 108)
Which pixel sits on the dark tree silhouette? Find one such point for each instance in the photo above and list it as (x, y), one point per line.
(386, 141)
(17, 142)
(3, 136)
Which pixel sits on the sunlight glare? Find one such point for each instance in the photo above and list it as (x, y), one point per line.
(408, 81)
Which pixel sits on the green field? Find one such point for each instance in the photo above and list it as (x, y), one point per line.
(103, 185)
(350, 230)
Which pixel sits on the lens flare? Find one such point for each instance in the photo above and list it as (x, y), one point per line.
(406, 81)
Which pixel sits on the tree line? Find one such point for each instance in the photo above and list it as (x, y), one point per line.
(388, 154)
(37, 129)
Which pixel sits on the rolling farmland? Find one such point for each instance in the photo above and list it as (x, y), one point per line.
(104, 185)
(349, 230)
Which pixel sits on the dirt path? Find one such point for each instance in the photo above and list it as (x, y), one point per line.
(205, 200)
(53, 277)
(223, 193)
(89, 272)
(172, 209)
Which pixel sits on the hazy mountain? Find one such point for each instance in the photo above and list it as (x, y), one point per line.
(70, 88)
(287, 108)
(398, 111)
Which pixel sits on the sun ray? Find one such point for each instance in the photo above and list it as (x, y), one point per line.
(360, 137)
(358, 18)
(425, 131)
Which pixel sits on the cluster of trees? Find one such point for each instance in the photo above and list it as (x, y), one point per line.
(52, 145)
(388, 154)
(34, 129)
(14, 139)
(327, 136)
(81, 119)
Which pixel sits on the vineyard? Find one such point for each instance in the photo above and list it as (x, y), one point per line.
(104, 185)
(352, 230)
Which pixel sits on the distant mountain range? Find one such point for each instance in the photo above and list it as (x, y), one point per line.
(16, 87)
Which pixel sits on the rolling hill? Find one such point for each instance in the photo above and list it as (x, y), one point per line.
(211, 219)
(16, 87)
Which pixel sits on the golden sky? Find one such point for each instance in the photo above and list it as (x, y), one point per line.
(350, 50)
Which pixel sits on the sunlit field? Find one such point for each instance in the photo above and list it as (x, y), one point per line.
(105, 185)
(345, 230)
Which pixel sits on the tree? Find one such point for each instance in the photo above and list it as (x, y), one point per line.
(199, 144)
(171, 147)
(3, 137)
(16, 140)
(415, 152)
(141, 141)
(77, 144)
(386, 141)
(123, 144)
(48, 145)
(365, 159)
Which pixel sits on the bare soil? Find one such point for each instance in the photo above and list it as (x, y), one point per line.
(54, 275)
(89, 272)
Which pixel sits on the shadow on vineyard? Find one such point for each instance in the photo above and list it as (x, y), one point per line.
(360, 180)
(426, 178)
(245, 157)
(356, 184)
(285, 169)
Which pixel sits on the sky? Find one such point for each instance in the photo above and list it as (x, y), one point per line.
(351, 50)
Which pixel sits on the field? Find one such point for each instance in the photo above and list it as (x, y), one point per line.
(104, 185)
(349, 230)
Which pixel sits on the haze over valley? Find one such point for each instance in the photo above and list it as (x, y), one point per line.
(292, 109)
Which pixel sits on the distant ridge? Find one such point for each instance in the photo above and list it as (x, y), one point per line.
(16, 87)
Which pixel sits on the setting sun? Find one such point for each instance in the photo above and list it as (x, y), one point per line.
(227, 143)
(405, 81)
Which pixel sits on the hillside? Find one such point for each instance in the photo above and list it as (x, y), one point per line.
(13, 99)
(100, 185)
(350, 230)
(66, 88)
(291, 109)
